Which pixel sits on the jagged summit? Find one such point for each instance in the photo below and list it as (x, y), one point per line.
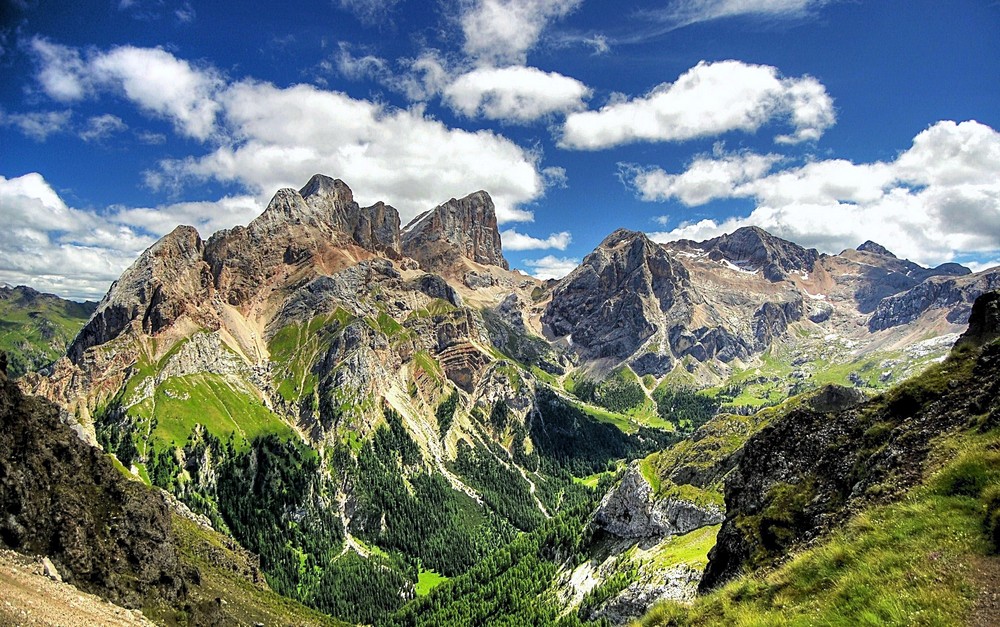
(753, 248)
(623, 235)
(322, 185)
(460, 228)
(878, 249)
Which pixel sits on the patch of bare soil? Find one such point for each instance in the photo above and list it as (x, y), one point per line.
(986, 578)
(29, 597)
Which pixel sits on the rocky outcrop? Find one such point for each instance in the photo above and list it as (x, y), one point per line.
(64, 498)
(679, 583)
(984, 321)
(752, 248)
(460, 228)
(875, 248)
(374, 228)
(621, 294)
(632, 510)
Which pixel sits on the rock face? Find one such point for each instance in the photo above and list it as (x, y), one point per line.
(632, 511)
(753, 248)
(954, 295)
(621, 294)
(63, 498)
(984, 321)
(676, 584)
(169, 279)
(808, 470)
(460, 228)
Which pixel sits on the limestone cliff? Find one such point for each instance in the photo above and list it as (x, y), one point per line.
(464, 228)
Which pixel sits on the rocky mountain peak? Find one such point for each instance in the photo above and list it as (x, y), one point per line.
(324, 186)
(169, 279)
(460, 228)
(878, 249)
(754, 248)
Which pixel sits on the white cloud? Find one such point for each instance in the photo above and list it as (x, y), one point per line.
(207, 217)
(500, 32)
(38, 125)
(705, 179)
(399, 156)
(185, 14)
(938, 199)
(62, 70)
(513, 240)
(599, 43)
(152, 78)
(161, 84)
(266, 137)
(684, 12)
(357, 68)
(708, 99)
(516, 93)
(56, 248)
(101, 126)
(550, 266)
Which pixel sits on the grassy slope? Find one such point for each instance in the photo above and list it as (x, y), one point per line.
(909, 562)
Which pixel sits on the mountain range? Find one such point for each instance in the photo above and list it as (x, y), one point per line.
(373, 409)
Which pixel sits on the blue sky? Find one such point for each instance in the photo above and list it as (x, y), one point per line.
(826, 122)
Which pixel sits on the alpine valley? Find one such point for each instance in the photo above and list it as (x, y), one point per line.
(328, 417)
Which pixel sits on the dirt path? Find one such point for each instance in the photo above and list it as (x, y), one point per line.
(986, 577)
(29, 597)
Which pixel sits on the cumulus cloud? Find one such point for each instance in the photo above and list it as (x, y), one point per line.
(513, 240)
(708, 99)
(514, 93)
(550, 266)
(56, 248)
(501, 32)
(706, 178)
(265, 137)
(77, 253)
(152, 78)
(939, 198)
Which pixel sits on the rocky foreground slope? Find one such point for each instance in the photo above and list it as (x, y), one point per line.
(63, 499)
(806, 473)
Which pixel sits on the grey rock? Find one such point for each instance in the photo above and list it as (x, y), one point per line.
(631, 510)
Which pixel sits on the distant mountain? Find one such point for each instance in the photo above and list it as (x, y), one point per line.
(709, 308)
(36, 328)
(315, 382)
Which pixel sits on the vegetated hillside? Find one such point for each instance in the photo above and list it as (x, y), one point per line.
(360, 403)
(888, 512)
(65, 499)
(35, 328)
